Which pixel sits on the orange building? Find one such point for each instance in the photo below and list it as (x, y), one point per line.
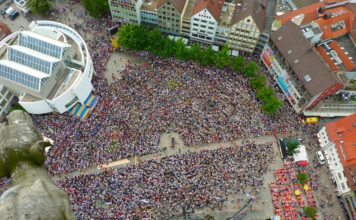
(338, 140)
(334, 20)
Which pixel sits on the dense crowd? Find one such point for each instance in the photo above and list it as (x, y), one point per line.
(201, 104)
(170, 186)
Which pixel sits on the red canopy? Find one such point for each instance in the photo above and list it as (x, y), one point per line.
(303, 163)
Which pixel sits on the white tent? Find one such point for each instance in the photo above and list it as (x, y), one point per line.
(301, 154)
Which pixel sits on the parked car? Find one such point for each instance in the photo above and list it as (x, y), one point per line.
(320, 156)
(14, 15)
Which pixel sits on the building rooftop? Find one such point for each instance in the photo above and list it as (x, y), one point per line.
(227, 14)
(178, 4)
(213, 6)
(254, 8)
(149, 5)
(343, 133)
(306, 63)
(188, 10)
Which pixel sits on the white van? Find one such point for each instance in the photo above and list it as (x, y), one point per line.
(320, 156)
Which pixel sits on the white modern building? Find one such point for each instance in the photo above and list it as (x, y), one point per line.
(48, 68)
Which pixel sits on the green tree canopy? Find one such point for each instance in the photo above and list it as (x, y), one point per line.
(251, 69)
(133, 37)
(310, 212)
(181, 50)
(238, 63)
(265, 94)
(292, 146)
(258, 82)
(155, 41)
(169, 48)
(222, 59)
(272, 105)
(208, 57)
(96, 8)
(302, 178)
(195, 53)
(41, 7)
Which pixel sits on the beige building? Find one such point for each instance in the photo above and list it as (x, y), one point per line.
(170, 14)
(247, 25)
(126, 11)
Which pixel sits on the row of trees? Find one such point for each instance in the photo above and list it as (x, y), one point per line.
(96, 8)
(140, 38)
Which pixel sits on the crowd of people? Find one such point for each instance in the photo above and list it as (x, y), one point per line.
(170, 186)
(202, 104)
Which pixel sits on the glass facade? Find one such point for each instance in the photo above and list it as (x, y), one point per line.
(29, 60)
(40, 46)
(19, 77)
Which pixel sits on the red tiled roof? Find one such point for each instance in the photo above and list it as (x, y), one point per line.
(310, 14)
(213, 6)
(339, 14)
(343, 133)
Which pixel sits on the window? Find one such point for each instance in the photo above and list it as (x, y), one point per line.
(3, 90)
(339, 175)
(343, 186)
(3, 103)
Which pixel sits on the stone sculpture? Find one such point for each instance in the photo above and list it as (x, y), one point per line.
(33, 195)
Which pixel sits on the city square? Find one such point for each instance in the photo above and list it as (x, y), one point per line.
(173, 139)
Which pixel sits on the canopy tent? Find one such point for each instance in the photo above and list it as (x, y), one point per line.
(301, 156)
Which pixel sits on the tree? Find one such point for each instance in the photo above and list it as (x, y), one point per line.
(155, 41)
(251, 69)
(272, 105)
(258, 82)
(195, 53)
(302, 178)
(133, 37)
(223, 57)
(292, 146)
(124, 35)
(96, 8)
(310, 212)
(181, 51)
(265, 94)
(208, 57)
(238, 63)
(41, 7)
(168, 49)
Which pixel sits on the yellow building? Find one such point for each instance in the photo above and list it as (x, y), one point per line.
(247, 25)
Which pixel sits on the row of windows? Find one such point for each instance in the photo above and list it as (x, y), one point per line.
(40, 46)
(6, 96)
(30, 61)
(19, 77)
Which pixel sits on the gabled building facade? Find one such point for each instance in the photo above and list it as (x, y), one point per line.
(170, 13)
(247, 25)
(204, 21)
(126, 11)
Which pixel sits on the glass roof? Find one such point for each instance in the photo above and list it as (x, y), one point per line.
(26, 59)
(40, 45)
